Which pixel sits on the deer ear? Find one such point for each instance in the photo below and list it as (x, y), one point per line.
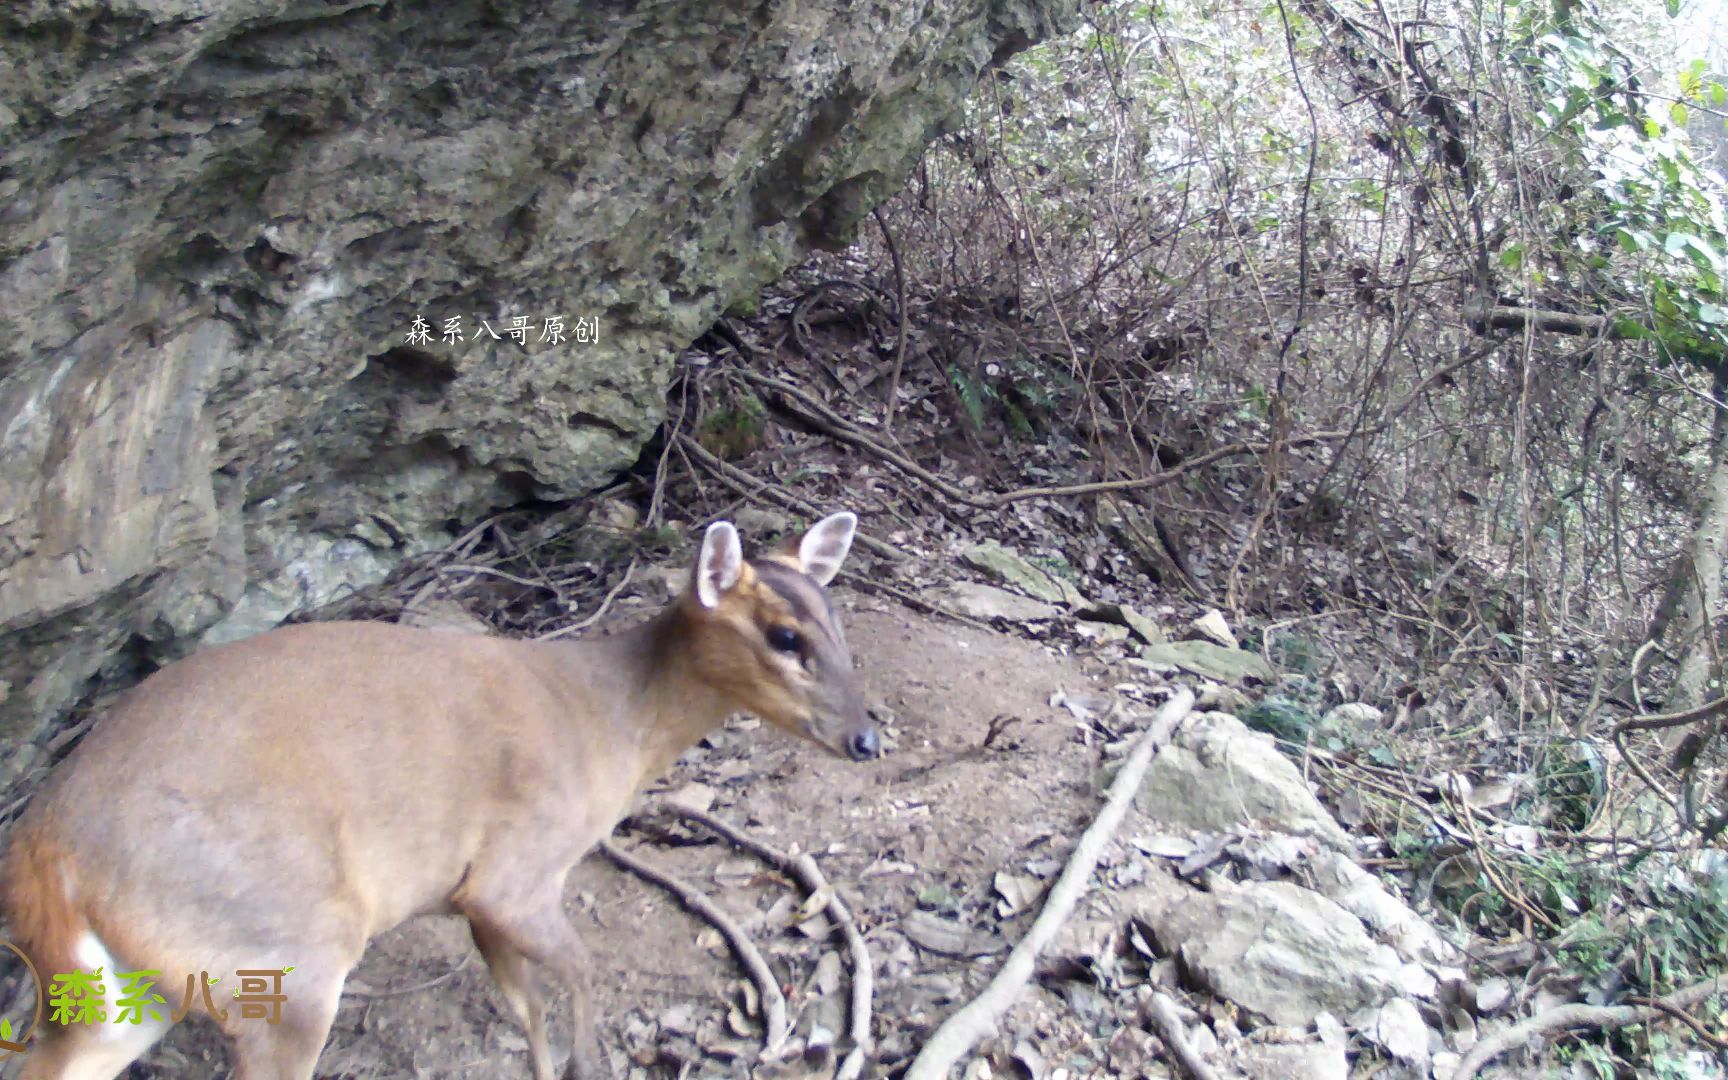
(718, 564)
(824, 547)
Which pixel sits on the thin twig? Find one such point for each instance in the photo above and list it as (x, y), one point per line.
(808, 874)
(910, 599)
(598, 613)
(1485, 860)
(1684, 1017)
(843, 431)
(1160, 1013)
(961, 1031)
(1566, 1017)
(1637, 662)
(773, 1001)
(1657, 721)
(493, 571)
(900, 302)
(739, 480)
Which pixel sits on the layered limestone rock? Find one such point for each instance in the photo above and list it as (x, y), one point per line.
(220, 219)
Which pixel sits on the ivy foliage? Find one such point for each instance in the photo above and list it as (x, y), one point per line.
(1659, 236)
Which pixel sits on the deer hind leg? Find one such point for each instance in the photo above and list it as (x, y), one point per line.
(288, 1049)
(536, 927)
(516, 983)
(88, 1052)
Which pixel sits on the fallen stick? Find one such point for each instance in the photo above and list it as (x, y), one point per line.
(773, 1001)
(1160, 1013)
(808, 874)
(960, 1032)
(1567, 1017)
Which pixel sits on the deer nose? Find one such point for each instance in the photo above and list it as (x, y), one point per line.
(864, 744)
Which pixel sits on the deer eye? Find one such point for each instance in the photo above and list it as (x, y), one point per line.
(784, 638)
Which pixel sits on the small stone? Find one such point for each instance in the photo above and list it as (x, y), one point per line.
(1213, 627)
(1492, 996)
(1399, 1028)
(988, 602)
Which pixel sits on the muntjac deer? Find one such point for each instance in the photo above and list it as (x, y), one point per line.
(279, 801)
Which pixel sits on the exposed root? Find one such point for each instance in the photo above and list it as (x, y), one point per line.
(1568, 1017)
(1160, 1013)
(960, 1032)
(805, 871)
(773, 1001)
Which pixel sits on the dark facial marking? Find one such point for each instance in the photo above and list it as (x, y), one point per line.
(810, 606)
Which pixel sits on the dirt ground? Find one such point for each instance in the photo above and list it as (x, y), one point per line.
(928, 826)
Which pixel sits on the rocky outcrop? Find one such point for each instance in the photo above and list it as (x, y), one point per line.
(221, 219)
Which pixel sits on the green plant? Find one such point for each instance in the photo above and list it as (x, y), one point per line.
(1019, 388)
(971, 393)
(1571, 782)
(1285, 718)
(1589, 948)
(1661, 237)
(1056, 565)
(1592, 1056)
(1295, 652)
(1684, 937)
(736, 429)
(659, 539)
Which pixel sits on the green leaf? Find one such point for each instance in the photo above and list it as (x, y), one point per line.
(6, 1030)
(1692, 78)
(1513, 256)
(1680, 244)
(1677, 114)
(1718, 95)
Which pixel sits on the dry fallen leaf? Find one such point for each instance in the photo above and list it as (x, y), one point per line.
(1522, 837)
(826, 980)
(815, 904)
(679, 1019)
(693, 796)
(1165, 846)
(816, 928)
(710, 940)
(737, 1024)
(1018, 893)
(949, 937)
(1493, 793)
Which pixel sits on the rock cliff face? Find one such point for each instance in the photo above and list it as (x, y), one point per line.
(220, 219)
